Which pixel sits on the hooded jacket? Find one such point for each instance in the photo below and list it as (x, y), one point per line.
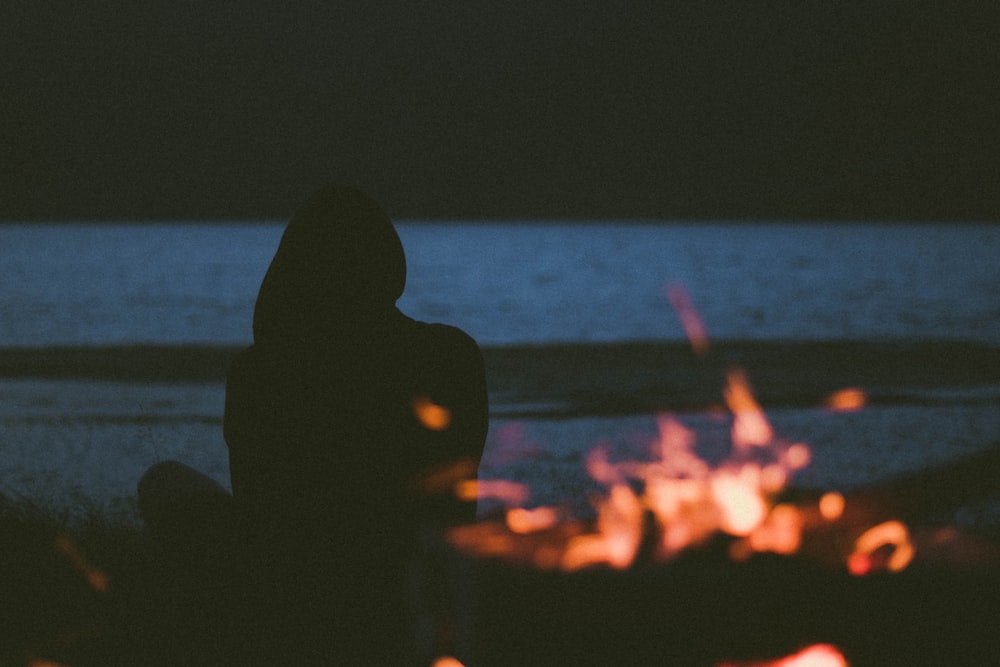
(323, 417)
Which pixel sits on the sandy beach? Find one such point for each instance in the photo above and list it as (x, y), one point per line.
(78, 426)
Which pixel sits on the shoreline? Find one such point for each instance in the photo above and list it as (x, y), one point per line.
(606, 378)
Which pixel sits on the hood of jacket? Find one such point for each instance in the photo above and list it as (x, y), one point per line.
(339, 268)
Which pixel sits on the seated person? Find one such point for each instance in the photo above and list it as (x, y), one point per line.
(332, 417)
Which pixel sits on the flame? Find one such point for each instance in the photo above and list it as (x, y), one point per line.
(847, 400)
(817, 655)
(443, 478)
(739, 500)
(831, 505)
(676, 500)
(892, 533)
(447, 661)
(797, 456)
(694, 328)
(511, 493)
(780, 533)
(432, 416)
(619, 533)
(750, 425)
(688, 499)
(96, 578)
(524, 521)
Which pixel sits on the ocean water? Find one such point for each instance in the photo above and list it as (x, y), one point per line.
(79, 284)
(85, 443)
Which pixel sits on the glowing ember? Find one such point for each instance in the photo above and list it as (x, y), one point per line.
(797, 457)
(831, 505)
(847, 400)
(432, 416)
(889, 533)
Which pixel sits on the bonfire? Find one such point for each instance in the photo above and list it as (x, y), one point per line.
(675, 506)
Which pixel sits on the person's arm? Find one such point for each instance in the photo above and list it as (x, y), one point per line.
(460, 387)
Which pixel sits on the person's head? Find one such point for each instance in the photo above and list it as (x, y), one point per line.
(340, 262)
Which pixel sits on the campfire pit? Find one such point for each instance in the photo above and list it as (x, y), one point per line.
(706, 610)
(858, 571)
(704, 607)
(687, 563)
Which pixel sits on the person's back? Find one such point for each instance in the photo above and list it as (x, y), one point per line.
(327, 432)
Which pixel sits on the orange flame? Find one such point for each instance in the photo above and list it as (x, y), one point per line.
(619, 533)
(694, 328)
(750, 425)
(847, 400)
(739, 500)
(431, 415)
(443, 478)
(780, 533)
(447, 661)
(688, 499)
(817, 655)
(797, 456)
(892, 533)
(511, 493)
(524, 521)
(831, 505)
(682, 500)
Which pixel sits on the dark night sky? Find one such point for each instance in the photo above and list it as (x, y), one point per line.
(588, 109)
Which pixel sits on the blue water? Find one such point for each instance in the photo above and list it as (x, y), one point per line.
(171, 283)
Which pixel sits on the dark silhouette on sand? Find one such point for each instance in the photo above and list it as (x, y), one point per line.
(333, 417)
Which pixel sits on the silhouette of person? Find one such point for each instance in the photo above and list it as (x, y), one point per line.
(336, 411)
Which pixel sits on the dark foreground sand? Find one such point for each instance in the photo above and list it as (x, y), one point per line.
(56, 608)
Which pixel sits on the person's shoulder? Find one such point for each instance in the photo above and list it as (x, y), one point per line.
(446, 332)
(446, 339)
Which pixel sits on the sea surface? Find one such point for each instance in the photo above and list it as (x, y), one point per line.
(84, 443)
(98, 284)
